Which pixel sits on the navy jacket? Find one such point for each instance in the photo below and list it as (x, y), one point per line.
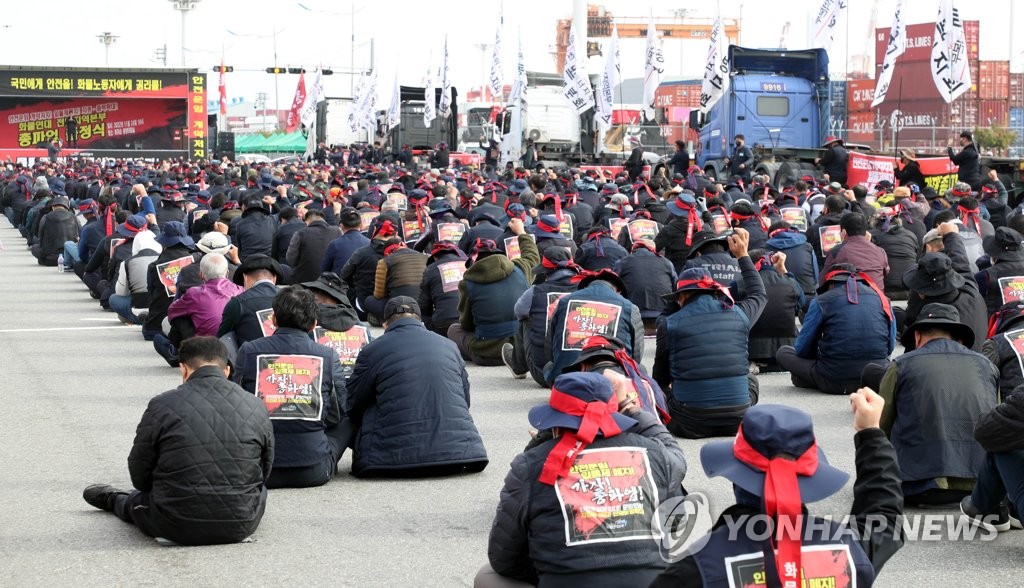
(340, 250)
(297, 442)
(409, 400)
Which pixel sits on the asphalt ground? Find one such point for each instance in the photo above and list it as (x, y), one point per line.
(76, 382)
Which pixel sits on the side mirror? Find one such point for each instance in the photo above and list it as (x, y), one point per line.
(506, 122)
(697, 119)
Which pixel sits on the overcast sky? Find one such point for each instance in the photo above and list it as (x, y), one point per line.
(409, 36)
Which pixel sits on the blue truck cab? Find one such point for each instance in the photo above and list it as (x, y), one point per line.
(777, 99)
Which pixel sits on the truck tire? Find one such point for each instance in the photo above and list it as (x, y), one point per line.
(769, 169)
(788, 173)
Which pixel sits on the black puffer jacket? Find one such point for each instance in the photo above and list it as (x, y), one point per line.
(408, 397)
(203, 451)
(360, 272)
(439, 302)
(1002, 428)
(528, 537)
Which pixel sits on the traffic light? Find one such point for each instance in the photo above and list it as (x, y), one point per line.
(296, 70)
(227, 68)
(276, 70)
(326, 72)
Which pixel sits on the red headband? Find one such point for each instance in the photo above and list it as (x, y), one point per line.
(709, 284)
(781, 496)
(597, 417)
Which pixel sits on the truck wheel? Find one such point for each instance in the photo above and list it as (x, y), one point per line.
(789, 172)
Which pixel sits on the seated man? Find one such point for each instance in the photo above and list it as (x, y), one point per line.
(847, 327)
(901, 247)
(857, 250)
(303, 386)
(439, 287)
(771, 434)
(201, 458)
(709, 252)
(702, 349)
(487, 297)
(399, 273)
(998, 496)
(647, 276)
(1006, 327)
(55, 228)
(529, 350)
(259, 275)
(598, 307)
(1005, 249)
(408, 400)
(599, 250)
(540, 534)
(933, 396)
(776, 326)
(608, 356)
(200, 308)
(131, 288)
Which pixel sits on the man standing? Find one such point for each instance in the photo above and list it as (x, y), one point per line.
(408, 399)
(201, 458)
(834, 160)
(741, 160)
(967, 159)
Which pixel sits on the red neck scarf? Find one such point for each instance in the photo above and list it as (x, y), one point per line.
(692, 219)
(597, 417)
(782, 499)
(968, 216)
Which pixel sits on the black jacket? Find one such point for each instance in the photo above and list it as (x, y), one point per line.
(671, 241)
(877, 498)
(253, 233)
(283, 238)
(408, 397)
(439, 302)
(307, 249)
(969, 165)
(1002, 429)
(528, 538)
(833, 161)
(203, 452)
(159, 300)
(360, 271)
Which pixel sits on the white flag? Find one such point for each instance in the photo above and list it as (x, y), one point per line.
(365, 111)
(716, 72)
(897, 45)
(445, 109)
(518, 92)
(825, 23)
(575, 83)
(429, 98)
(496, 70)
(394, 109)
(314, 96)
(357, 96)
(654, 66)
(610, 79)
(950, 69)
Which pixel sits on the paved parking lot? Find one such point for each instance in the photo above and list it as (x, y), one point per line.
(76, 382)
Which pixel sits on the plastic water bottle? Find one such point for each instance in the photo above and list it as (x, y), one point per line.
(60, 262)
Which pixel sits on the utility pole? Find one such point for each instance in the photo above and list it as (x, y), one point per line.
(184, 6)
(107, 39)
(161, 54)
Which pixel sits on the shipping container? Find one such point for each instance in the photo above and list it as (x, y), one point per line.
(685, 94)
(861, 128)
(1016, 94)
(993, 80)
(919, 43)
(860, 94)
(1016, 117)
(913, 81)
(993, 113)
(837, 94)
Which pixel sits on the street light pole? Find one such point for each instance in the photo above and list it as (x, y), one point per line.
(184, 6)
(107, 39)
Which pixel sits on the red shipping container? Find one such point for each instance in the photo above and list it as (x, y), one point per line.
(993, 113)
(1016, 89)
(859, 94)
(685, 94)
(861, 127)
(913, 81)
(919, 43)
(993, 81)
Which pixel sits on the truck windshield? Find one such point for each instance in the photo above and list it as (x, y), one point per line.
(772, 106)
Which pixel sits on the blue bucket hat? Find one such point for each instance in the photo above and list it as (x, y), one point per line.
(586, 386)
(174, 233)
(547, 227)
(773, 430)
(132, 226)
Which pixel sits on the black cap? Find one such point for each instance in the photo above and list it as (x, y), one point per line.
(401, 305)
